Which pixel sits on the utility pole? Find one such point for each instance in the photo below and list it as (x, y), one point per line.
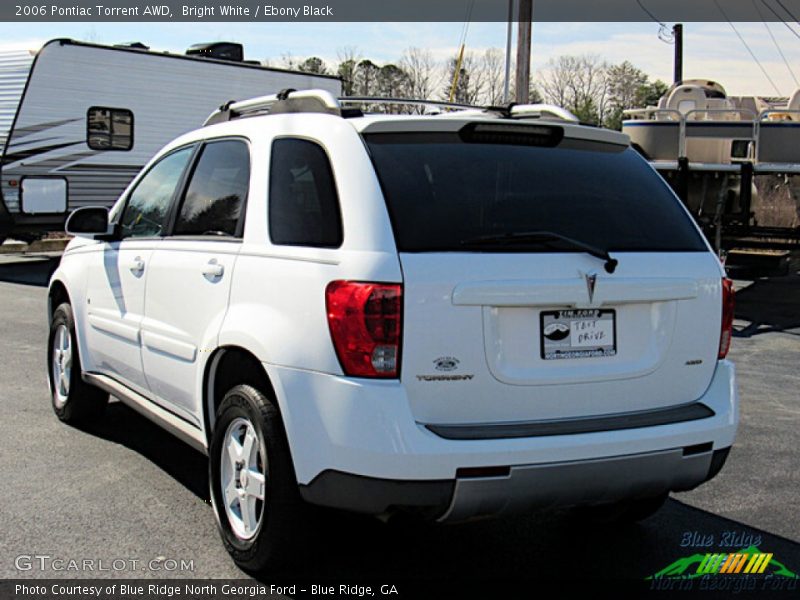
(677, 34)
(509, 35)
(523, 80)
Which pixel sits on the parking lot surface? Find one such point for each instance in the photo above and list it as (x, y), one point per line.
(125, 489)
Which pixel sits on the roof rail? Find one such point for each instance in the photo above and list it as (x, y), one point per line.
(407, 102)
(515, 111)
(321, 101)
(285, 101)
(541, 111)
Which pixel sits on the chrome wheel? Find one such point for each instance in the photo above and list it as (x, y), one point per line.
(61, 364)
(243, 472)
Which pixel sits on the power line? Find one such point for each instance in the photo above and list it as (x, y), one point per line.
(777, 45)
(780, 18)
(460, 56)
(650, 14)
(752, 54)
(664, 34)
(467, 19)
(788, 12)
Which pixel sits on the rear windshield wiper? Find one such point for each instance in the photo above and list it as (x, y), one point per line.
(537, 237)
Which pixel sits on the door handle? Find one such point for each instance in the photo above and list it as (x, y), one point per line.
(136, 266)
(213, 269)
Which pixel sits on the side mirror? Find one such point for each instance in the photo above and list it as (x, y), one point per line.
(89, 222)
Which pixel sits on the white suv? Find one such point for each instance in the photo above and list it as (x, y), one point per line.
(454, 315)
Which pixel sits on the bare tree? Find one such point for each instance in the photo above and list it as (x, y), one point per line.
(288, 61)
(420, 68)
(470, 82)
(556, 81)
(493, 67)
(579, 84)
(346, 69)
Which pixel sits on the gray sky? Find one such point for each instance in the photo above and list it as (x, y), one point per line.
(712, 50)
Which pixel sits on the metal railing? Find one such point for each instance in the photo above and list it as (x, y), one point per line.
(321, 101)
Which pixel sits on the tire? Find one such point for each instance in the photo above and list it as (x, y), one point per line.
(265, 532)
(627, 511)
(74, 401)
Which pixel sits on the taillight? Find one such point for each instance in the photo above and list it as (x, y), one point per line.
(728, 306)
(365, 324)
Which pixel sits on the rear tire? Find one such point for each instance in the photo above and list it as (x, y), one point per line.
(254, 492)
(74, 401)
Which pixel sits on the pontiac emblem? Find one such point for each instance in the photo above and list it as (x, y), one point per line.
(591, 280)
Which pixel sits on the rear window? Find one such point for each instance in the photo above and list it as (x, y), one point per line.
(442, 191)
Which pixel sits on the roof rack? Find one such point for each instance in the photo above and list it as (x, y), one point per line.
(407, 102)
(321, 101)
(542, 111)
(318, 101)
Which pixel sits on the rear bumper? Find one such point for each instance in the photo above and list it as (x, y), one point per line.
(524, 487)
(356, 445)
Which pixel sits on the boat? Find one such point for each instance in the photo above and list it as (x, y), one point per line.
(733, 160)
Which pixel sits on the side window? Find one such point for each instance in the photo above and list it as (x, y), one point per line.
(303, 204)
(145, 214)
(217, 190)
(109, 128)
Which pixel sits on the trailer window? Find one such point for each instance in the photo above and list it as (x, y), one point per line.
(217, 191)
(109, 128)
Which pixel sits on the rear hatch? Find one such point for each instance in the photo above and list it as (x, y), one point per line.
(515, 308)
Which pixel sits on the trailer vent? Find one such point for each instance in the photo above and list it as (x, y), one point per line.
(134, 45)
(219, 50)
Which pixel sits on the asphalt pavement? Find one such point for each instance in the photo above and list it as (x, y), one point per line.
(124, 489)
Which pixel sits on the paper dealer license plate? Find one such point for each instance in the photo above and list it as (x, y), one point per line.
(581, 333)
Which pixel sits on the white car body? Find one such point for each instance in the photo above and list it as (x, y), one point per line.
(153, 318)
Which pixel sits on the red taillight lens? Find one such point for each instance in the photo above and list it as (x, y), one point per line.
(365, 320)
(728, 306)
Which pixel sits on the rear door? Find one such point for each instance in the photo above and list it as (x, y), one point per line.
(190, 274)
(117, 275)
(505, 317)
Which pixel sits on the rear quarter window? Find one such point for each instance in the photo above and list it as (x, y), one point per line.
(442, 190)
(303, 202)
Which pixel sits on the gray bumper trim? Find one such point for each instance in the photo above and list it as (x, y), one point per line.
(375, 496)
(525, 487)
(576, 483)
(650, 418)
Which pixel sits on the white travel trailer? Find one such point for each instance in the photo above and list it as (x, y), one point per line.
(79, 120)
